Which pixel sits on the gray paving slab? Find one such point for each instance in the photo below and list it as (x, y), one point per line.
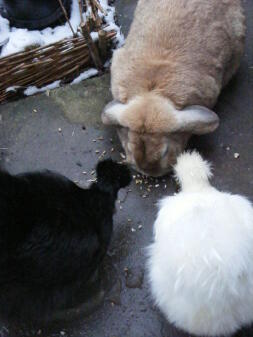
(63, 132)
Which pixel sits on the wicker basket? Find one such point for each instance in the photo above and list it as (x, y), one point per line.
(63, 60)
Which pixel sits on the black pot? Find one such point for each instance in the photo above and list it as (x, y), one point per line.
(34, 14)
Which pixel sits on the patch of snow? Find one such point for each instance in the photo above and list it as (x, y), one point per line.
(13, 88)
(15, 40)
(19, 39)
(4, 29)
(83, 76)
(94, 36)
(34, 90)
(110, 20)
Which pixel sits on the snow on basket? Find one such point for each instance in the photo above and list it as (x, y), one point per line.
(34, 61)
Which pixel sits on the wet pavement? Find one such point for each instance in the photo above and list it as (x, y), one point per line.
(62, 131)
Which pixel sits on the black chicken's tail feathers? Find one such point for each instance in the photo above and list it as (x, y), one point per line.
(111, 173)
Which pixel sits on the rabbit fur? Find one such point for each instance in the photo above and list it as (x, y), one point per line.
(178, 56)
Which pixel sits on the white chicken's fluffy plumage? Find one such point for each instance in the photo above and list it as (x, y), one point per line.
(201, 262)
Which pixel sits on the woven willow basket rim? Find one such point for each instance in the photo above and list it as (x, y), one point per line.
(63, 60)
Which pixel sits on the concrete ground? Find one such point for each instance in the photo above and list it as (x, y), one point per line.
(63, 132)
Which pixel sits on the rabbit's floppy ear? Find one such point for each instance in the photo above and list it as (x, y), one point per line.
(146, 113)
(113, 113)
(152, 114)
(195, 119)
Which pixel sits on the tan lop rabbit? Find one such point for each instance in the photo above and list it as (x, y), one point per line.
(178, 56)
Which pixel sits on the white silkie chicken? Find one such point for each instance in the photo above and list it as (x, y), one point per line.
(201, 261)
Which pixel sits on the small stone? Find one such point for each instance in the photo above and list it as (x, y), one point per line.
(100, 138)
(84, 172)
(122, 155)
(62, 333)
(103, 153)
(120, 207)
(94, 140)
(93, 172)
(97, 151)
(157, 185)
(133, 230)
(228, 148)
(236, 155)
(59, 130)
(140, 227)
(138, 181)
(129, 220)
(112, 149)
(34, 110)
